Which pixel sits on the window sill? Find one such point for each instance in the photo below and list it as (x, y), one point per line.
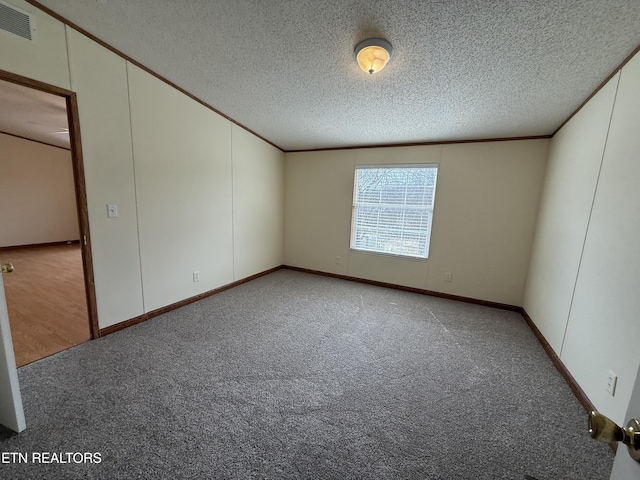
(390, 255)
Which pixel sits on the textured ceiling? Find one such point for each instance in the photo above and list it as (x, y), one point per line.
(464, 69)
(33, 114)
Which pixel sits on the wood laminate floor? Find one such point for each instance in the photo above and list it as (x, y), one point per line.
(46, 300)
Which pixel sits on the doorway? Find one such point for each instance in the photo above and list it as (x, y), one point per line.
(44, 221)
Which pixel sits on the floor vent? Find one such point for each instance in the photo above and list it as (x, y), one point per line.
(15, 21)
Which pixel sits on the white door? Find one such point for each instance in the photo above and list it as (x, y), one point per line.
(11, 413)
(624, 467)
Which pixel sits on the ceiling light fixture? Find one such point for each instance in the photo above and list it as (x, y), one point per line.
(373, 54)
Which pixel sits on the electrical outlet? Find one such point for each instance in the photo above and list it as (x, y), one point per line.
(612, 380)
(448, 277)
(196, 276)
(337, 260)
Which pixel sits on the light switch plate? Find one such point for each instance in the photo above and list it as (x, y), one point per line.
(112, 211)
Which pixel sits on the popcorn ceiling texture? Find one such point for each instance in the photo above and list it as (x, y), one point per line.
(467, 69)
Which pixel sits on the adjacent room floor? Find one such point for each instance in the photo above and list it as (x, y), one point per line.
(294, 375)
(46, 300)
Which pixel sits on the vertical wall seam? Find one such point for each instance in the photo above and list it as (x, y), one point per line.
(284, 208)
(233, 210)
(305, 250)
(75, 193)
(586, 232)
(66, 41)
(135, 185)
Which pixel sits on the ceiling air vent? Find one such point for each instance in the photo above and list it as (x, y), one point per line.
(15, 21)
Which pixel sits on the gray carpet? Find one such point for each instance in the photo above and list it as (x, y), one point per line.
(295, 375)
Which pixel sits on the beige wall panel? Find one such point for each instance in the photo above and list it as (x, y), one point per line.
(404, 271)
(318, 202)
(575, 157)
(100, 79)
(37, 193)
(43, 58)
(398, 155)
(604, 327)
(258, 204)
(295, 208)
(328, 214)
(384, 268)
(182, 158)
(485, 209)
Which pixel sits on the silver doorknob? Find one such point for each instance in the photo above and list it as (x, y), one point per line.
(7, 268)
(606, 430)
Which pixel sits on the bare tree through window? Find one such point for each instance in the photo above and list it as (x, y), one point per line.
(393, 209)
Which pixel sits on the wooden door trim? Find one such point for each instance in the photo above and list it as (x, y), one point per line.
(83, 212)
(79, 183)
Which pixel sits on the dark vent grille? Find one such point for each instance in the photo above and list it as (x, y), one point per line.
(15, 22)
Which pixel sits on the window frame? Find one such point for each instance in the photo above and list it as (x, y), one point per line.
(430, 208)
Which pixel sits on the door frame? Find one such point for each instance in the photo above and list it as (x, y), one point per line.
(79, 183)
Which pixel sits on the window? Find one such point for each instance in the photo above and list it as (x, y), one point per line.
(393, 209)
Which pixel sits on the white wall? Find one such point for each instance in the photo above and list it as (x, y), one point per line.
(99, 77)
(37, 193)
(601, 322)
(193, 191)
(574, 163)
(43, 58)
(182, 158)
(485, 209)
(258, 204)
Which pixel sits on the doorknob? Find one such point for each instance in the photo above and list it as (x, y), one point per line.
(604, 429)
(7, 268)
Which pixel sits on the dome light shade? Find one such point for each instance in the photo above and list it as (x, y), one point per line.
(373, 54)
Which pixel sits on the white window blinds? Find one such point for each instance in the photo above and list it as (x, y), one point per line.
(393, 209)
